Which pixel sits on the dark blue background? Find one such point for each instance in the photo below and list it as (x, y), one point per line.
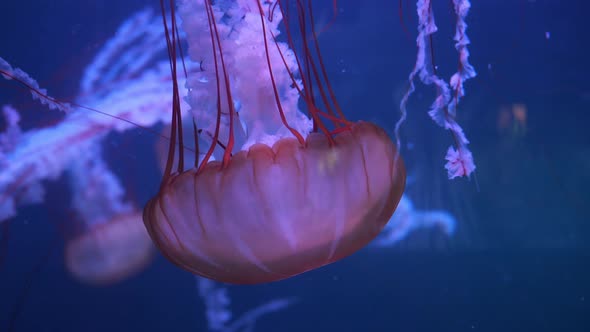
(518, 262)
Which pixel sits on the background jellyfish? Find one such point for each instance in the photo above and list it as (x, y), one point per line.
(291, 191)
(106, 241)
(110, 244)
(407, 219)
(134, 94)
(218, 311)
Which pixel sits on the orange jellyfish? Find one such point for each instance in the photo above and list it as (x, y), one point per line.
(271, 197)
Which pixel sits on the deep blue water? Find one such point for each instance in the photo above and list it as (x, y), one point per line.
(518, 261)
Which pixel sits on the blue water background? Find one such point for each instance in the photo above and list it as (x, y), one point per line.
(519, 261)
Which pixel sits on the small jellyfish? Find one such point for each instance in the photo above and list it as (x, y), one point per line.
(110, 252)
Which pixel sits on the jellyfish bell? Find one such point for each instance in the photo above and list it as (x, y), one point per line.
(109, 252)
(273, 213)
(277, 193)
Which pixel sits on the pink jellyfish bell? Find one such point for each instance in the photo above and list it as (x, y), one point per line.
(277, 192)
(109, 252)
(109, 243)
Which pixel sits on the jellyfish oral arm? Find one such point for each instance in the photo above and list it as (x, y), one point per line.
(443, 110)
(125, 87)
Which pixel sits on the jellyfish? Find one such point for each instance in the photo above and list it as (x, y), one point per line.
(278, 191)
(105, 239)
(109, 252)
(110, 243)
(119, 91)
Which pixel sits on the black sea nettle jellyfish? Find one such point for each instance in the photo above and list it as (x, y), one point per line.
(277, 191)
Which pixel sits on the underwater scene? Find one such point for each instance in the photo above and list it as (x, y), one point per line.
(294, 165)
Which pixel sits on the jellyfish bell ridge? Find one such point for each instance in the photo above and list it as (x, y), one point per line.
(273, 213)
